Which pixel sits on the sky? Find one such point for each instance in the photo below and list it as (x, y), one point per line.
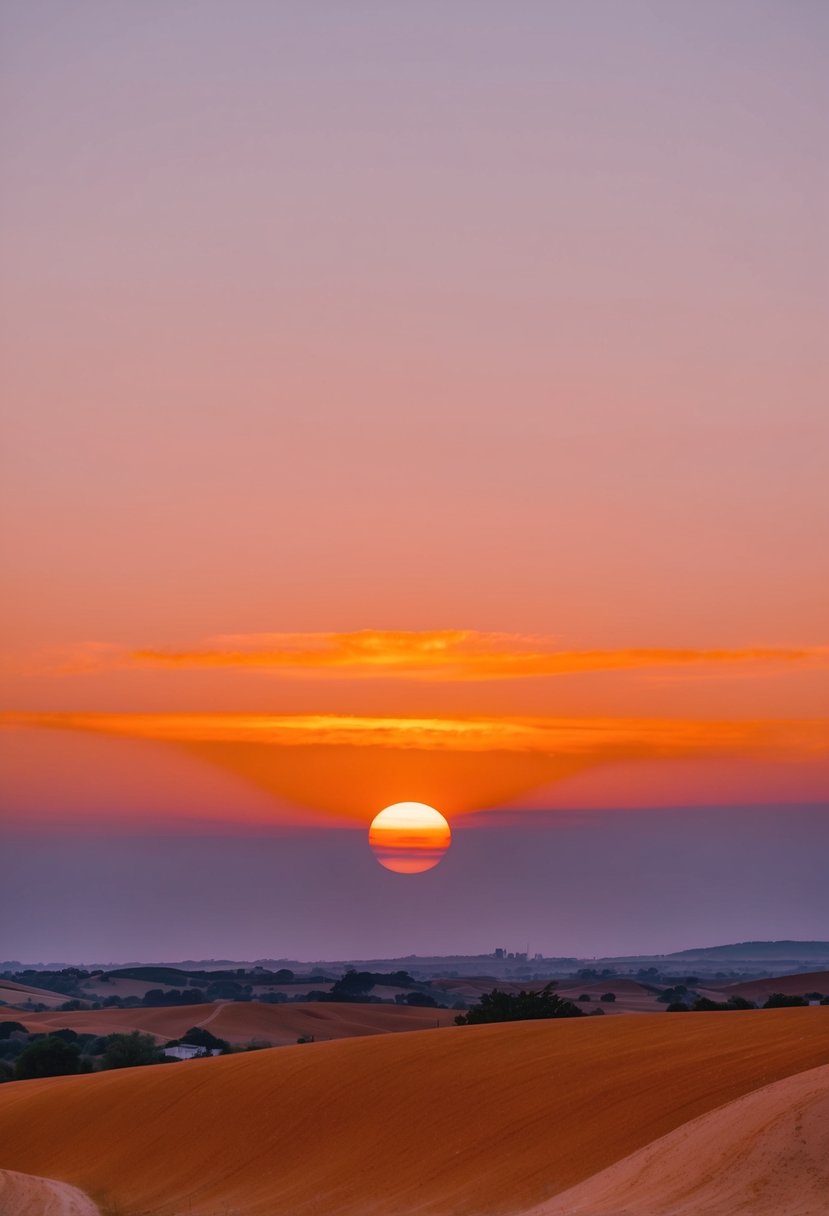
(412, 402)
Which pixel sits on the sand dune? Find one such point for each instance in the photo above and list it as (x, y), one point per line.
(25, 1195)
(468, 1121)
(247, 1021)
(791, 985)
(762, 1155)
(631, 996)
(14, 995)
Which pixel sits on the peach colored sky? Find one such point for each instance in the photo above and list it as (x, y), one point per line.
(440, 361)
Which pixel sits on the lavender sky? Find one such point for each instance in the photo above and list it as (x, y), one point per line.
(413, 401)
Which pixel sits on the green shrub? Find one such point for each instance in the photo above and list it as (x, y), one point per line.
(779, 1000)
(131, 1051)
(497, 1006)
(47, 1057)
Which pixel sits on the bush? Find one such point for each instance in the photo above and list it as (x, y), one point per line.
(585, 996)
(779, 1000)
(156, 997)
(7, 1029)
(353, 984)
(497, 1006)
(420, 1000)
(676, 1007)
(197, 1036)
(608, 997)
(131, 1051)
(47, 1057)
(228, 990)
(677, 993)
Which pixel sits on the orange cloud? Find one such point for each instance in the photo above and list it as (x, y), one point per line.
(352, 766)
(449, 654)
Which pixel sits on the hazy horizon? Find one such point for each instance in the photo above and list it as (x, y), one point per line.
(568, 884)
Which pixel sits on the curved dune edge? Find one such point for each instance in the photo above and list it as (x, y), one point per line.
(761, 1155)
(470, 1121)
(243, 1022)
(28, 1195)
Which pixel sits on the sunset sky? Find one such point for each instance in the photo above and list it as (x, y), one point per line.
(413, 402)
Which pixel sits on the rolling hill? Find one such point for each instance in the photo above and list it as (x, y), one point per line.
(470, 1121)
(16, 995)
(790, 985)
(246, 1021)
(739, 1160)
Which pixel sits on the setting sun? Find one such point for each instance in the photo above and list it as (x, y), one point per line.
(409, 837)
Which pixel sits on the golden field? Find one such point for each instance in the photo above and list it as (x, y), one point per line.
(465, 1121)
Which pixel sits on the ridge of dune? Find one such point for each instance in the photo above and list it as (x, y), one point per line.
(245, 1021)
(28, 1195)
(467, 1121)
(761, 1155)
(13, 994)
(790, 985)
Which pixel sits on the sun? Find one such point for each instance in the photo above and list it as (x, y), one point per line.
(409, 837)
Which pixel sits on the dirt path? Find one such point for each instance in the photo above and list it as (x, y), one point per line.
(211, 1016)
(28, 1195)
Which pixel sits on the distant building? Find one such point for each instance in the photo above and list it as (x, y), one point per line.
(188, 1051)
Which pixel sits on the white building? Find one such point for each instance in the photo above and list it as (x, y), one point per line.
(188, 1051)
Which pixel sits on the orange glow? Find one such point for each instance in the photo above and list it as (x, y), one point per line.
(409, 837)
(341, 765)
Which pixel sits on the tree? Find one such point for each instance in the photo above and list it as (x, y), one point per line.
(676, 1007)
(779, 1000)
(420, 1000)
(7, 1029)
(131, 1051)
(497, 1006)
(228, 990)
(197, 1036)
(608, 997)
(47, 1057)
(353, 984)
(68, 1036)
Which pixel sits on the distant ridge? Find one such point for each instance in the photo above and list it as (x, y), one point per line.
(783, 951)
(758, 950)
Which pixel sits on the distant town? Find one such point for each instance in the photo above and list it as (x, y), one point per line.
(740, 960)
